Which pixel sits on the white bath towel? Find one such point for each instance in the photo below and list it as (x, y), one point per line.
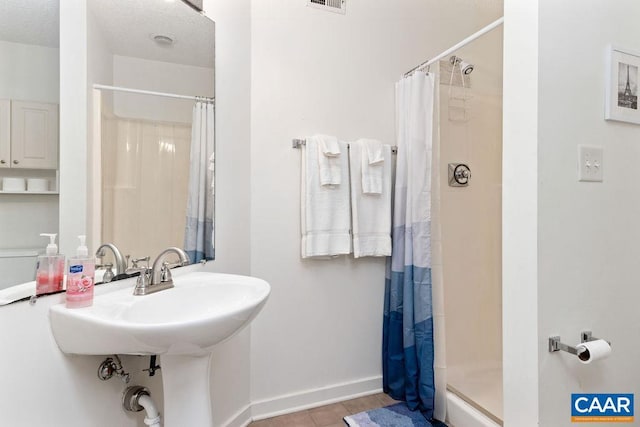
(372, 166)
(329, 154)
(325, 216)
(371, 213)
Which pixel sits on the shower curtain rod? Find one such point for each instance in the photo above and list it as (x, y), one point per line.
(148, 92)
(453, 48)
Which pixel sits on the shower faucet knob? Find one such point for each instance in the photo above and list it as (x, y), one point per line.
(459, 175)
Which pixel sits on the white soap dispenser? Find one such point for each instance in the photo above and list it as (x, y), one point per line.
(80, 277)
(50, 268)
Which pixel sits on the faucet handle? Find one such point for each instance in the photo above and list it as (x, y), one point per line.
(108, 274)
(134, 270)
(135, 261)
(165, 272)
(143, 279)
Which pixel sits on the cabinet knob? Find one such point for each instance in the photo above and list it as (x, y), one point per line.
(15, 162)
(2, 162)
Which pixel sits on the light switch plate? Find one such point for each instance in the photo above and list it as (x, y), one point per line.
(590, 163)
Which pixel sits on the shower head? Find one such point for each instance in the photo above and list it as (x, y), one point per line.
(465, 67)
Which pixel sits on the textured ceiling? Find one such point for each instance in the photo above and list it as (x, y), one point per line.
(30, 22)
(129, 25)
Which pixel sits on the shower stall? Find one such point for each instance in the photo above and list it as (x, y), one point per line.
(468, 252)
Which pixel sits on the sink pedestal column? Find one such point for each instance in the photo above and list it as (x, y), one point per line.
(187, 397)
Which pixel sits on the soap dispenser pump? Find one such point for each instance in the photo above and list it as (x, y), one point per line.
(80, 277)
(50, 268)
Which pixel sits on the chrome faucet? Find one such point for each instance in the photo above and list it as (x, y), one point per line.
(121, 264)
(158, 277)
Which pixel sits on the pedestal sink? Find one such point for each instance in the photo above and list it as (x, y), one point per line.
(181, 325)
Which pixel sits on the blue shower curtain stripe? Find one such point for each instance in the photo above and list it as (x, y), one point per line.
(408, 349)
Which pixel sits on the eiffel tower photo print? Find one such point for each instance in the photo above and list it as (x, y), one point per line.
(623, 69)
(627, 86)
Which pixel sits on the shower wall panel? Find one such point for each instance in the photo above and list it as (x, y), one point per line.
(470, 128)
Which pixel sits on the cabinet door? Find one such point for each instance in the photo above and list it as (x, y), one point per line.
(5, 133)
(34, 135)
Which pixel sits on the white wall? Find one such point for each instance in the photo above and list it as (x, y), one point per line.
(569, 246)
(319, 336)
(29, 72)
(519, 215)
(99, 70)
(231, 365)
(73, 123)
(162, 77)
(587, 232)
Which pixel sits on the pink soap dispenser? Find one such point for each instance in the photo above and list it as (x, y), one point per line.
(50, 268)
(80, 277)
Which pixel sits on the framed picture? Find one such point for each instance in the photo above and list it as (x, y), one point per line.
(621, 99)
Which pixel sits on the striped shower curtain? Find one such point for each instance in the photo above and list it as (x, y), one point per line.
(199, 232)
(408, 351)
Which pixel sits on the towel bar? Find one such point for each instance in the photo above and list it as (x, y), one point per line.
(297, 143)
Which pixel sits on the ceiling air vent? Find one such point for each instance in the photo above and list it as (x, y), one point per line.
(337, 6)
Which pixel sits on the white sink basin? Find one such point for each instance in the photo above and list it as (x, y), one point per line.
(180, 324)
(202, 310)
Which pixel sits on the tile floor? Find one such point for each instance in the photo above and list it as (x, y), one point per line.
(327, 416)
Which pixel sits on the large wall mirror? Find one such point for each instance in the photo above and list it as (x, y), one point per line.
(29, 103)
(151, 87)
(153, 63)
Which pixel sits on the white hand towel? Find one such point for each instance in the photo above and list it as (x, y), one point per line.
(371, 213)
(328, 159)
(372, 166)
(374, 151)
(325, 216)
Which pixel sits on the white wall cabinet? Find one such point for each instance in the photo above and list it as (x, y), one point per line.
(34, 136)
(5, 133)
(28, 135)
(29, 143)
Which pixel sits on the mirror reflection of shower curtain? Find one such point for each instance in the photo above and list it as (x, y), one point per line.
(199, 232)
(144, 182)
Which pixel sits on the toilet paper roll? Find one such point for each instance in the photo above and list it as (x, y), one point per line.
(593, 350)
(13, 184)
(37, 184)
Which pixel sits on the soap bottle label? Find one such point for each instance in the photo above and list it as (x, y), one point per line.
(80, 285)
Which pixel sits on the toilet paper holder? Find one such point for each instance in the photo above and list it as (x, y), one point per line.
(556, 345)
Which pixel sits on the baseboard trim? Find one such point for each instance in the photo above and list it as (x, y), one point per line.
(312, 398)
(242, 418)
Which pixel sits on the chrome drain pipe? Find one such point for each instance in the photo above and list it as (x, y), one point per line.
(136, 398)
